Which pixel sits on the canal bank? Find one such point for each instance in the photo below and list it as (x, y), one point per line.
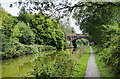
(20, 66)
(54, 63)
(20, 49)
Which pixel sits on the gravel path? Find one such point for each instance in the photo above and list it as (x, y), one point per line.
(92, 70)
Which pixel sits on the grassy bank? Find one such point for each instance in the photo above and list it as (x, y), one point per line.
(81, 62)
(104, 69)
(20, 49)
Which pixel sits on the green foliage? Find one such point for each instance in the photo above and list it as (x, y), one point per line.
(17, 49)
(102, 23)
(66, 28)
(81, 59)
(82, 41)
(110, 53)
(24, 33)
(8, 41)
(94, 19)
(23, 15)
(58, 67)
(104, 70)
(8, 24)
(47, 31)
(62, 64)
(99, 19)
(39, 29)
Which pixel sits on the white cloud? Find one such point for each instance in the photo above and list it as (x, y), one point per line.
(72, 24)
(11, 0)
(13, 11)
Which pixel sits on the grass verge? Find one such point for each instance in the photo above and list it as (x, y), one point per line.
(81, 63)
(104, 69)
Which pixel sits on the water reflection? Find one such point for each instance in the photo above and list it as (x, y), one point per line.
(19, 66)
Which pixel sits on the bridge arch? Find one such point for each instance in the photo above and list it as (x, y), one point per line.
(73, 37)
(74, 40)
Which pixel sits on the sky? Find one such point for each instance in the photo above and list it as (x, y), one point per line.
(15, 10)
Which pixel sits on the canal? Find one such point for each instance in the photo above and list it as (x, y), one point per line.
(46, 61)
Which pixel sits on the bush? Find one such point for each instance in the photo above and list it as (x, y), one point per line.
(110, 54)
(19, 49)
(47, 31)
(24, 33)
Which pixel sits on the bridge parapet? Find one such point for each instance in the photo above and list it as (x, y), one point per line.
(75, 36)
(72, 34)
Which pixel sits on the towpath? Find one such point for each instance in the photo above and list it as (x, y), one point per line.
(92, 70)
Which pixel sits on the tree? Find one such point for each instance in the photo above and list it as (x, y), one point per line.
(47, 30)
(24, 33)
(23, 15)
(93, 20)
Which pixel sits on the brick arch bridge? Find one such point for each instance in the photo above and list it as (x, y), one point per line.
(73, 37)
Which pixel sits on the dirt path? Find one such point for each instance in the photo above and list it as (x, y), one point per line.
(92, 70)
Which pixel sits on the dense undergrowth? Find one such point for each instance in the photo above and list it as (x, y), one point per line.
(64, 64)
(110, 53)
(104, 69)
(108, 61)
(19, 49)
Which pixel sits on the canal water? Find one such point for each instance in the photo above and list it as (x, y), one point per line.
(22, 65)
